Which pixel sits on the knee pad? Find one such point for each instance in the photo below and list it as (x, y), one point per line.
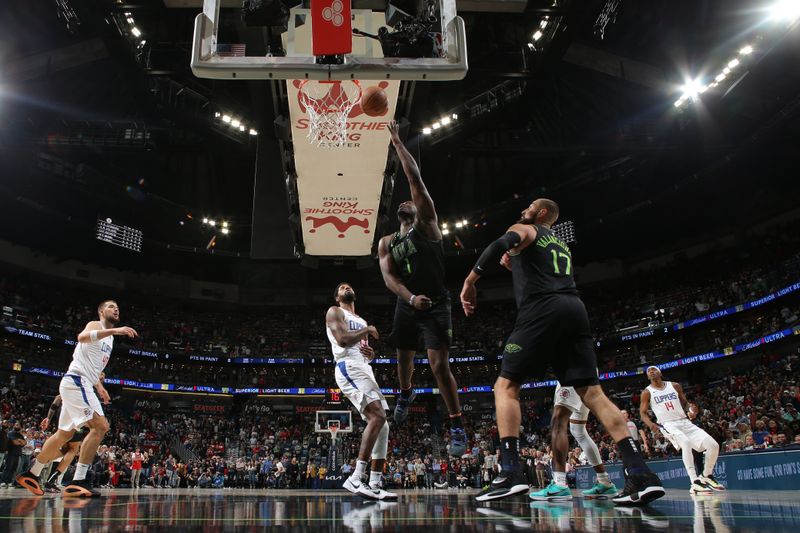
(381, 445)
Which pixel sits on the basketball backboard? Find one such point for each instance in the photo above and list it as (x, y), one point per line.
(298, 63)
(342, 421)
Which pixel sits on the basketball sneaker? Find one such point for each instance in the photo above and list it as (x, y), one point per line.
(30, 482)
(700, 487)
(401, 408)
(552, 493)
(711, 482)
(458, 442)
(80, 489)
(503, 486)
(601, 491)
(383, 495)
(357, 487)
(640, 489)
(52, 487)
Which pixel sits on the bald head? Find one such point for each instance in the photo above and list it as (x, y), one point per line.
(541, 211)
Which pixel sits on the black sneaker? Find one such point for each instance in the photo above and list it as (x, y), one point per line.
(30, 482)
(51, 487)
(640, 489)
(503, 487)
(80, 489)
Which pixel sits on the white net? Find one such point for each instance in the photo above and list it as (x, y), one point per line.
(328, 104)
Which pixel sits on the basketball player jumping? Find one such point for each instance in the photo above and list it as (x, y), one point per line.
(349, 335)
(569, 409)
(80, 405)
(552, 328)
(667, 401)
(412, 264)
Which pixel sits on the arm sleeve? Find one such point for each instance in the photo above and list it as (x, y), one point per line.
(494, 251)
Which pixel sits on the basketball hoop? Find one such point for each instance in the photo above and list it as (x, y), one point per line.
(333, 427)
(328, 104)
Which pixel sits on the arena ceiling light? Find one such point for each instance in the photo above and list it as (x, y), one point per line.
(446, 120)
(692, 89)
(785, 10)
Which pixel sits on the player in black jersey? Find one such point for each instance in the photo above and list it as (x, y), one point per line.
(551, 329)
(412, 264)
(69, 451)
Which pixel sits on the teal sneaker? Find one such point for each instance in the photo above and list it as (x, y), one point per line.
(601, 491)
(552, 493)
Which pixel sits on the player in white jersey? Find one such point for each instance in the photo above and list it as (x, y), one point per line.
(668, 403)
(349, 335)
(569, 409)
(80, 405)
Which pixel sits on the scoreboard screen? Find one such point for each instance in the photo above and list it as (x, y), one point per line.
(119, 235)
(333, 397)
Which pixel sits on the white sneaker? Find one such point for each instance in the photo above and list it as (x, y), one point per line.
(358, 488)
(698, 487)
(382, 494)
(3, 485)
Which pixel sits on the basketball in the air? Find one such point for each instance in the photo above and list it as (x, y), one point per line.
(374, 101)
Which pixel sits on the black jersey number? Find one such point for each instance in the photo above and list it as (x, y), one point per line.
(558, 255)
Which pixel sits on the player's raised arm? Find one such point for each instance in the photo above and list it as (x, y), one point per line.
(94, 331)
(334, 318)
(426, 212)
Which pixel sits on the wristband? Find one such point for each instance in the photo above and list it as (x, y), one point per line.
(93, 335)
(411, 300)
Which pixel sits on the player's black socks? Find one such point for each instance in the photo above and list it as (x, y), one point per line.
(632, 460)
(457, 421)
(406, 393)
(509, 454)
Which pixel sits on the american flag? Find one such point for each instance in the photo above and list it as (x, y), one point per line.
(230, 50)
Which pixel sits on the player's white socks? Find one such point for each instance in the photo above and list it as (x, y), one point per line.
(374, 477)
(80, 472)
(560, 478)
(361, 467)
(37, 467)
(710, 459)
(602, 477)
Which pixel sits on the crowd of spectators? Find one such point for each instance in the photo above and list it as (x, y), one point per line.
(253, 448)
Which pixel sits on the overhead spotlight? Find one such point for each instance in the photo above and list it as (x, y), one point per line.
(127, 13)
(226, 119)
(746, 51)
(455, 116)
(224, 224)
(691, 89)
(212, 223)
(543, 23)
(426, 131)
(129, 19)
(459, 225)
(436, 125)
(464, 222)
(445, 232)
(205, 221)
(445, 121)
(217, 114)
(538, 35)
(787, 10)
(444, 225)
(714, 84)
(253, 132)
(733, 63)
(235, 122)
(531, 47)
(241, 127)
(726, 71)
(678, 103)
(135, 31)
(720, 77)
(225, 231)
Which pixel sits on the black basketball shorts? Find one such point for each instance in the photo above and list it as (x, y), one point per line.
(434, 324)
(552, 331)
